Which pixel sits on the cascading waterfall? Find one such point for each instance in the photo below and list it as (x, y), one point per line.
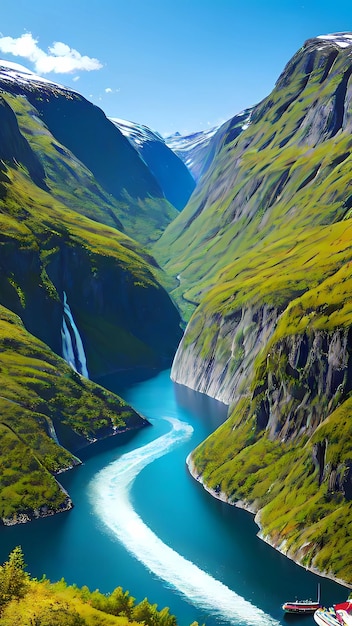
(72, 345)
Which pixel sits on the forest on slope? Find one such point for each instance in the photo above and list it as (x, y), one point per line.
(27, 601)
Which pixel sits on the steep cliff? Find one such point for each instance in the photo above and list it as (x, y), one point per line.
(267, 235)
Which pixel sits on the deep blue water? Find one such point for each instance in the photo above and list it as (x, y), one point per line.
(142, 522)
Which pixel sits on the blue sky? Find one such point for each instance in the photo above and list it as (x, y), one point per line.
(174, 65)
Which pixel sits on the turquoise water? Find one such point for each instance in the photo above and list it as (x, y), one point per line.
(142, 522)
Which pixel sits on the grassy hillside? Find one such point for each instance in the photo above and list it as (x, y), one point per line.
(51, 251)
(86, 162)
(268, 258)
(42, 397)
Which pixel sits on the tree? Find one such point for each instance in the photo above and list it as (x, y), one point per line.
(13, 579)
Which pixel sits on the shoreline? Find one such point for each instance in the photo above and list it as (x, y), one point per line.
(27, 516)
(240, 504)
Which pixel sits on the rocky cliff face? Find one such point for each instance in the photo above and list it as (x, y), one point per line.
(271, 333)
(216, 353)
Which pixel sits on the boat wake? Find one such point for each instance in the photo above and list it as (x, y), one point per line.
(110, 495)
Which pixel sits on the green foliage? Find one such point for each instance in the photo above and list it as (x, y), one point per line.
(30, 602)
(40, 391)
(73, 185)
(13, 578)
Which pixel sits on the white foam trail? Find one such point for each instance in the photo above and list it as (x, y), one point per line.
(109, 492)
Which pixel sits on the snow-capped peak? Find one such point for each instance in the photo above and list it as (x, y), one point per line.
(137, 133)
(15, 72)
(343, 40)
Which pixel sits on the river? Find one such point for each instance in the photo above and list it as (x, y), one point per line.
(142, 522)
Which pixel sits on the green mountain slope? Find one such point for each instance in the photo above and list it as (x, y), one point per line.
(264, 246)
(43, 398)
(59, 267)
(88, 164)
(289, 168)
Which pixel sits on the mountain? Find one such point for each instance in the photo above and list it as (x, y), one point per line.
(262, 254)
(87, 160)
(197, 149)
(169, 170)
(79, 299)
(192, 149)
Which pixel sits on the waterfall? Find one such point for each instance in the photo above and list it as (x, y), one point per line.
(72, 346)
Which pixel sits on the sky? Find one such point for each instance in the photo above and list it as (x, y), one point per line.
(173, 65)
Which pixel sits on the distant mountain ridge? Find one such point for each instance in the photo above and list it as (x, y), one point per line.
(197, 149)
(170, 172)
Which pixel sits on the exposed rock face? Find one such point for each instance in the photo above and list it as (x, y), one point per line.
(307, 377)
(221, 366)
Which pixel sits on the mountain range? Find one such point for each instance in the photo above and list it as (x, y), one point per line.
(100, 267)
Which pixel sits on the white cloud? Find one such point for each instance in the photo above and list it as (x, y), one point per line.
(76, 78)
(60, 58)
(109, 90)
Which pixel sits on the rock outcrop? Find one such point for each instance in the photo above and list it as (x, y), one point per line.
(216, 354)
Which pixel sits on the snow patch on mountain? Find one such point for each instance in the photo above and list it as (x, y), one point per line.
(14, 72)
(343, 40)
(136, 133)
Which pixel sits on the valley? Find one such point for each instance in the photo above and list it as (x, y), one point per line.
(225, 257)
